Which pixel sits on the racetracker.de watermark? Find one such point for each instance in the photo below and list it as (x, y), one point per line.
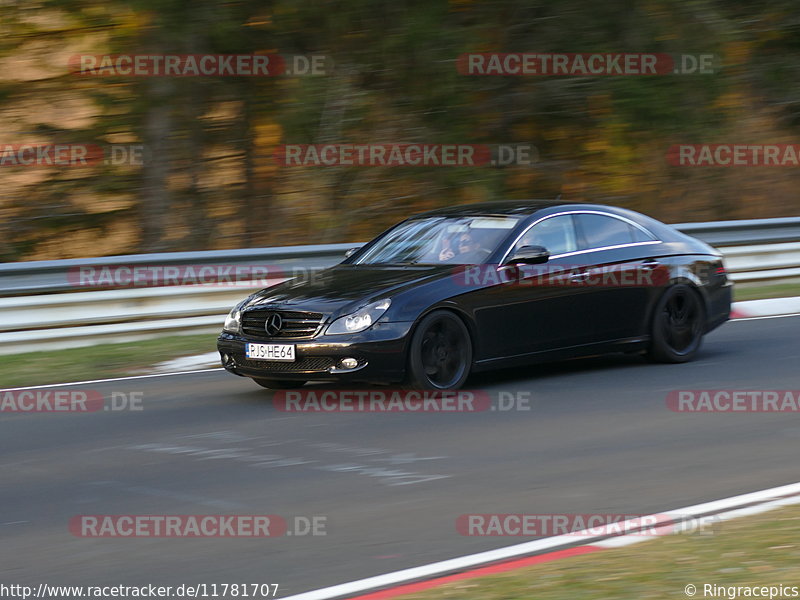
(619, 275)
(198, 65)
(734, 155)
(71, 155)
(68, 400)
(201, 590)
(406, 155)
(400, 401)
(581, 525)
(734, 401)
(586, 64)
(147, 275)
(196, 526)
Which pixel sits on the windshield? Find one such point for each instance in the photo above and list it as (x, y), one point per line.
(440, 240)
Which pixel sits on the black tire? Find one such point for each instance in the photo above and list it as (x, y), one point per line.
(440, 353)
(678, 325)
(279, 384)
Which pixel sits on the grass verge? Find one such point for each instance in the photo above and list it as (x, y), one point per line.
(760, 292)
(98, 362)
(762, 550)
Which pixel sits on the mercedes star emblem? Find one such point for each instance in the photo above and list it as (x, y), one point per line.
(273, 324)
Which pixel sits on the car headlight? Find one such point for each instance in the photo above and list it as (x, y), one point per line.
(233, 322)
(360, 320)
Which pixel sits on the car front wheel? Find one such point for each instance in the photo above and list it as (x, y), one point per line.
(440, 353)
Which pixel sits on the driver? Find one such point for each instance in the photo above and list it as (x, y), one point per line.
(466, 247)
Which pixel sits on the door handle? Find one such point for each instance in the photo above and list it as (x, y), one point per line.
(579, 276)
(651, 264)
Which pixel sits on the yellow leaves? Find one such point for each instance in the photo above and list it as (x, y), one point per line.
(118, 237)
(36, 60)
(597, 145)
(95, 203)
(522, 179)
(775, 26)
(525, 131)
(613, 161)
(738, 52)
(223, 111)
(261, 21)
(267, 136)
(122, 137)
(129, 22)
(46, 20)
(599, 105)
(557, 133)
(731, 101)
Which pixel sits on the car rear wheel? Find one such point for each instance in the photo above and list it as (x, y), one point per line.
(440, 354)
(279, 384)
(678, 325)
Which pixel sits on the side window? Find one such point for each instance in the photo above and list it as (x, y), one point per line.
(600, 231)
(640, 236)
(557, 234)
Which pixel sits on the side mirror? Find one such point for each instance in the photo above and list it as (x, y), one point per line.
(351, 251)
(529, 255)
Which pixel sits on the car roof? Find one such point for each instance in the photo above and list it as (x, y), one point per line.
(498, 207)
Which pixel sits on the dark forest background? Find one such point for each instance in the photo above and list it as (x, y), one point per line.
(210, 181)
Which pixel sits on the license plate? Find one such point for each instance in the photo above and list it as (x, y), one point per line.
(278, 352)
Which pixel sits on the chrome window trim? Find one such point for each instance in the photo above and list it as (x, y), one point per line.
(646, 231)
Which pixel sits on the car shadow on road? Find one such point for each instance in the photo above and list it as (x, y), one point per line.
(588, 364)
(261, 397)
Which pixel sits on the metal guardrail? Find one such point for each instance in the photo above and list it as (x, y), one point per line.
(28, 323)
(40, 277)
(33, 313)
(51, 276)
(744, 232)
(764, 263)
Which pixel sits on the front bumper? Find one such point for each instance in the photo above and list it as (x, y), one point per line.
(380, 352)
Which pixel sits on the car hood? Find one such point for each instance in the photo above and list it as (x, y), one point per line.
(343, 288)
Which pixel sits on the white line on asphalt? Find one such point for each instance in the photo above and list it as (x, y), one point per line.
(53, 385)
(527, 548)
(764, 317)
(747, 511)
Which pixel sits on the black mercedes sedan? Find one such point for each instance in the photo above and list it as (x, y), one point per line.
(456, 290)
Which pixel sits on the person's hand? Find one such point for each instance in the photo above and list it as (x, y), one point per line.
(446, 254)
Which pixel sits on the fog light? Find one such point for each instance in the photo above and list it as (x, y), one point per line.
(349, 363)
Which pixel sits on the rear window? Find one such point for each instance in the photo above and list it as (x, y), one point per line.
(600, 231)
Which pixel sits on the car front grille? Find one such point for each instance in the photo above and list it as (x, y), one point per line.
(307, 364)
(296, 325)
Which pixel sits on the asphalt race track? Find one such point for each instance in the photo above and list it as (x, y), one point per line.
(599, 438)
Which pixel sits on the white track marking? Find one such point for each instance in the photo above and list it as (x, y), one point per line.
(755, 509)
(131, 377)
(764, 317)
(769, 498)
